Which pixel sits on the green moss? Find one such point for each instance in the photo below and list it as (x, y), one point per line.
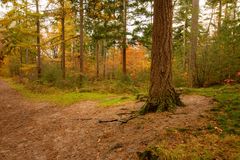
(116, 101)
(228, 98)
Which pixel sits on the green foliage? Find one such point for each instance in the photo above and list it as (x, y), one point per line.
(126, 79)
(29, 71)
(14, 66)
(143, 76)
(51, 74)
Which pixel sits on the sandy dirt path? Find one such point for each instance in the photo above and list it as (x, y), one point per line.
(42, 131)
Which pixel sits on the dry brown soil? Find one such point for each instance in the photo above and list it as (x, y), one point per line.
(42, 131)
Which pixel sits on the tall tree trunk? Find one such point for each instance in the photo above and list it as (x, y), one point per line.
(162, 95)
(63, 40)
(21, 56)
(226, 16)
(113, 59)
(72, 53)
(210, 21)
(124, 43)
(104, 54)
(221, 47)
(219, 16)
(39, 68)
(234, 28)
(97, 59)
(27, 56)
(151, 3)
(185, 59)
(194, 42)
(81, 39)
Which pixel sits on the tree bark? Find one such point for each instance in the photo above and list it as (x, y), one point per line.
(113, 59)
(63, 40)
(185, 59)
(39, 68)
(162, 95)
(124, 43)
(219, 16)
(226, 14)
(27, 56)
(234, 28)
(194, 42)
(104, 54)
(81, 39)
(97, 59)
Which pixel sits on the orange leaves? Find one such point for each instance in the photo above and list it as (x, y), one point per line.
(137, 60)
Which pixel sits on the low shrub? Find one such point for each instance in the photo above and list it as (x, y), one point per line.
(51, 74)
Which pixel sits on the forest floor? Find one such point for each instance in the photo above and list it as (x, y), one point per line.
(84, 131)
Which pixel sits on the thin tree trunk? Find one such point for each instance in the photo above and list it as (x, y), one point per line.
(72, 53)
(113, 66)
(226, 11)
(39, 69)
(210, 21)
(221, 47)
(151, 3)
(234, 28)
(63, 40)
(124, 43)
(21, 56)
(81, 39)
(219, 16)
(97, 59)
(185, 59)
(194, 42)
(55, 50)
(162, 95)
(26, 50)
(27, 56)
(104, 54)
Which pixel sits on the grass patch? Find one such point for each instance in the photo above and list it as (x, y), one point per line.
(227, 112)
(65, 97)
(186, 146)
(116, 101)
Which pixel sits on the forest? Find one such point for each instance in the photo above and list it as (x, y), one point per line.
(120, 79)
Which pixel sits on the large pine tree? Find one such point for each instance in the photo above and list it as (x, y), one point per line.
(162, 95)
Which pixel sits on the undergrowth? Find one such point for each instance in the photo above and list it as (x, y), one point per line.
(43, 93)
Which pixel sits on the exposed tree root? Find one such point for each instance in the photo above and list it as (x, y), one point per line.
(122, 121)
(83, 119)
(142, 98)
(161, 104)
(107, 121)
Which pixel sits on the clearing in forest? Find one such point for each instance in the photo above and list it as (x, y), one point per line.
(86, 131)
